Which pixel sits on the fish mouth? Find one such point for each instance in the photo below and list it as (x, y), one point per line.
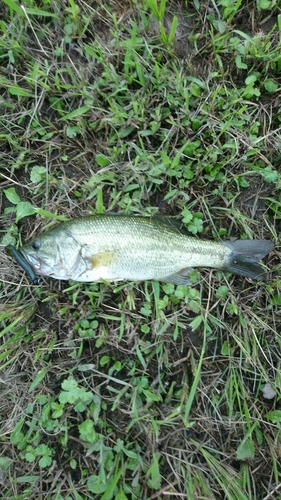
(38, 265)
(31, 260)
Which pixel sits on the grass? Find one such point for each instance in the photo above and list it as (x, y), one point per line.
(141, 390)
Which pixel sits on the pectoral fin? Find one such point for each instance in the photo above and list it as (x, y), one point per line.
(102, 259)
(179, 278)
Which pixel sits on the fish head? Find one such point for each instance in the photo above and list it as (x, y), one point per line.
(54, 253)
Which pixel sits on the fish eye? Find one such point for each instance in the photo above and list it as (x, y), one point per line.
(36, 245)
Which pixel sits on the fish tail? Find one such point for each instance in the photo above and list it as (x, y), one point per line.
(245, 256)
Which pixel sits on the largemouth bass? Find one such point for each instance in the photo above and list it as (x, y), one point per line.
(120, 247)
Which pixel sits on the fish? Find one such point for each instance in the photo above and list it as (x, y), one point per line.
(114, 247)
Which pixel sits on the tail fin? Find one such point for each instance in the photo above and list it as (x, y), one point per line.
(245, 256)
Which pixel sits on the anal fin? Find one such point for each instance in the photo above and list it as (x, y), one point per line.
(179, 278)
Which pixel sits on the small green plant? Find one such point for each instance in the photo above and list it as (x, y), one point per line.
(159, 9)
(87, 327)
(193, 221)
(42, 451)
